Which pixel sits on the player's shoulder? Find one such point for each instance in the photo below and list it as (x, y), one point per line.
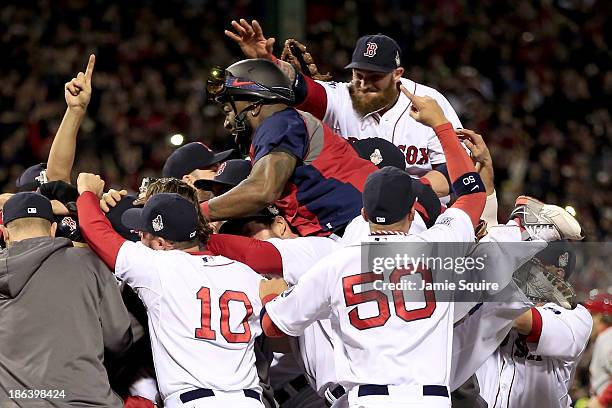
(333, 86)
(280, 121)
(580, 312)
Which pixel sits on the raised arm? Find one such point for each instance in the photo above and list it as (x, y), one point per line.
(467, 184)
(264, 185)
(95, 227)
(77, 93)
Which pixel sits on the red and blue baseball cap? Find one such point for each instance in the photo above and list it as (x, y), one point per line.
(378, 53)
(192, 156)
(388, 195)
(166, 215)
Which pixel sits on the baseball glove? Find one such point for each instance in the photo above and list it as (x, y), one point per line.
(294, 52)
(540, 285)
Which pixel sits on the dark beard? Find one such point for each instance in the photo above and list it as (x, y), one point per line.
(372, 102)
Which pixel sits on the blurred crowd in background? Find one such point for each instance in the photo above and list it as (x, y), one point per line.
(532, 77)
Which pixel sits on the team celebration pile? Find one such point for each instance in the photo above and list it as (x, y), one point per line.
(318, 241)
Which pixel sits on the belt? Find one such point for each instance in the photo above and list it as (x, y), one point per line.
(429, 390)
(207, 392)
(331, 395)
(289, 390)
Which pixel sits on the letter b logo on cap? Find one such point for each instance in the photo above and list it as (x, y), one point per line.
(370, 49)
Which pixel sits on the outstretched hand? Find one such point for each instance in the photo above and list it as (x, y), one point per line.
(425, 109)
(477, 146)
(251, 40)
(78, 91)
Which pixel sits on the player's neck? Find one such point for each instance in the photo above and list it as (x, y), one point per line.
(390, 105)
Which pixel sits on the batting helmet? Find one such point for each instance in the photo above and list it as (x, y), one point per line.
(256, 80)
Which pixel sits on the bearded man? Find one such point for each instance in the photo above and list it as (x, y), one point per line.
(371, 105)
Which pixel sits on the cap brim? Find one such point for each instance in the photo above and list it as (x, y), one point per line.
(133, 220)
(368, 67)
(219, 157)
(205, 184)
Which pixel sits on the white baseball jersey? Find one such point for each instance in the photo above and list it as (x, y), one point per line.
(203, 317)
(315, 346)
(359, 229)
(526, 375)
(372, 344)
(418, 142)
(601, 363)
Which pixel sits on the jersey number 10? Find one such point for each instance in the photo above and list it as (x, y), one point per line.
(206, 332)
(384, 313)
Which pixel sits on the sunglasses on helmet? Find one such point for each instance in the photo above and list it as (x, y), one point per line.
(219, 80)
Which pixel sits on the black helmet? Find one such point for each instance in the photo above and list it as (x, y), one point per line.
(251, 80)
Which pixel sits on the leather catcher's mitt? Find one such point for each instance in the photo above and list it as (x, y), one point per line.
(294, 52)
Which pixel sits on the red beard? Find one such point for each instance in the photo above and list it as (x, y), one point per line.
(368, 102)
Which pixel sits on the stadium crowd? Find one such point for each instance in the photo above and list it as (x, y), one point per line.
(510, 71)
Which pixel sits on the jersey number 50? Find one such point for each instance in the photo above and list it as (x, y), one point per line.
(207, 333)
(384, 313)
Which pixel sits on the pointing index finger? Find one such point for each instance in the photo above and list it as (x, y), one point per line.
(90, 66)
(406, 92)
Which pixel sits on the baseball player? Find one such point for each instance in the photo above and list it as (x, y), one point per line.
(371, 105)
(201, 309)
(600, 306)
(311, 174)
(379, 343)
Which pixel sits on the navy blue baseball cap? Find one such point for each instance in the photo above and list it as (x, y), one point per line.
(190, 157)
(166, 215)
(377, 53)
(381, 152)
(29, 180)
(388, 195)
(115, 213)
(230, 174)
(27, 204)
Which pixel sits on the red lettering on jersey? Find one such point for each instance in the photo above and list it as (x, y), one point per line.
(424, 156)
(411, 154)
(398, 296)
(353, 299)
(226, 331)
(205, 332)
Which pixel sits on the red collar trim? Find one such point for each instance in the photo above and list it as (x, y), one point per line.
(388, 233)
(205, 252)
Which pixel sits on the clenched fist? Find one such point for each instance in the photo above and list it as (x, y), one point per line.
(90, 182)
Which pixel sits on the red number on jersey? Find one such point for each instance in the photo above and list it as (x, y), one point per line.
(226, 331)
(354, 299)
(400, 303)
(207, 333)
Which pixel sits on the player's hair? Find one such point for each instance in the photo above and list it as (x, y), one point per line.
(29, 224)
(173, 185)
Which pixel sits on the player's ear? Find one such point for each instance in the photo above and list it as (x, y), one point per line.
(363, 214)
(5, 234)
(397, 74)
(411, 215)
(256, 110)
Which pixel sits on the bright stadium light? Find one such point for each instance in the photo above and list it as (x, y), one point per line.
(570, 210)
(177, 139)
